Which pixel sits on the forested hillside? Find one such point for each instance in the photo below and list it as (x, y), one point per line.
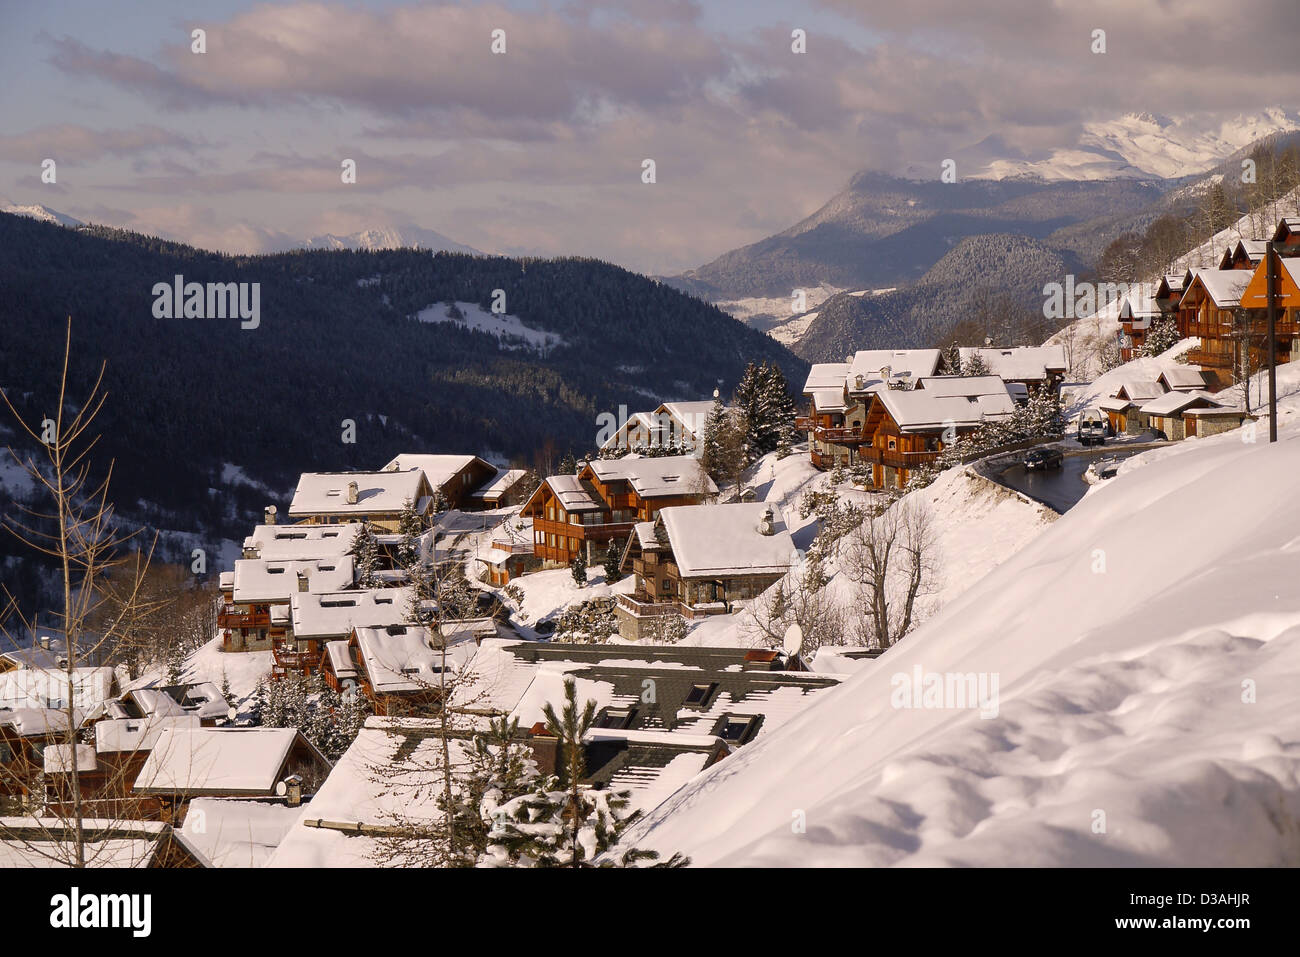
(337, 341)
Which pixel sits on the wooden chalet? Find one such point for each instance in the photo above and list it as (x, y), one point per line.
(1243, 254)
(375, 497)
(1136, 314)
(839, 394)
(1034, 367)
(580, 514)
(1286, 296)
(698, 560)
(458, 479)
(1211, 310)
(905, 431)
(1164, 414)
(256, 585)
(225, 762)
(314, 619)
(510, 552)
(1286, 238)
(1123, 407)
(673, 425)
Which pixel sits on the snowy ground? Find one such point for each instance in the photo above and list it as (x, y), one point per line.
(509, 330)
(1146, 651)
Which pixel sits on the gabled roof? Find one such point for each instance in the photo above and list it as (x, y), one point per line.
(1172, 403)
(386, 493)
(962, 385)
(49, 842)
(1286, 226)
(1138, 390)
(335, 614)
(499, 484)
(116, 735)
(438, 469)
(302, 542)
(1223, 286)
(1021, 363)
(1180, 378)
(574, 494)
(218, 760)
(724, 540)
(923, 411)
(403, 658)
(829, 400)
(873, 369)
(1250, 249)
(1171, 285)
(654, 477)
(257, 580)
(690, 416)
(826, 375)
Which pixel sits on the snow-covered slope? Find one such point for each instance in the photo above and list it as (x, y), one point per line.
(1144, 145)
(1146, 648)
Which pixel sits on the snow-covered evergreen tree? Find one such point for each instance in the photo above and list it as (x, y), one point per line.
(614, 561)
(410, 525)
(365, 556)
(975, 365)
(1162, 336)
(579, 569)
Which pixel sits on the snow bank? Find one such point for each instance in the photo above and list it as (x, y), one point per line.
(1146, 648)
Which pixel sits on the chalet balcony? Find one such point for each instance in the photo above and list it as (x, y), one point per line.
(838, 435)
(805, 423)
(641, 606)
(898, 460)
(287, 660)
(232, 616)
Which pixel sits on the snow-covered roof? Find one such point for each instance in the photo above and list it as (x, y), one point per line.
(438, 469)
(339, 652)
(1139, 390)
(238, 832)
(1209, 412)
(335, 614)
(922, 410)
(573, 494)
(201, 698)
(499, 484)
(689, 416)
(217, 760)
(826, 375)
(722, 540)
(962, 385)
(360, 795)
(257, 580)
(1223, 286)
(1112, 404)
(138, 734)
(40, 688)
(403, 658)
(1180, 378)
(656, 476)
(1174, 402)
(39, 722)
(1252, 249)
(1021, 363)
(829, 400)
(302, 542)
(872, 369)
(117, 843)
(378, 493)
(57, 759)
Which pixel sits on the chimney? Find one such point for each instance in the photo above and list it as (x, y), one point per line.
(45, 642)
(304, 582)
(291, 790)
(767, 526)
(352, 493)
(268, 515)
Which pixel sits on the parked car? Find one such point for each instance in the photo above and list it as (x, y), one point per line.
(1093, 428)
(1043, 458)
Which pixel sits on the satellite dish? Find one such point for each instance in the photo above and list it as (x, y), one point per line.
(793, 640)
(281, 788)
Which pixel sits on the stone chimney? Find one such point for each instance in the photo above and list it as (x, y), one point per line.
(767, 525)
(268, 515)
(304, 581)
(352, 493)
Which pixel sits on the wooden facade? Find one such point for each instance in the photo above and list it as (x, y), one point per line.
(560, 534)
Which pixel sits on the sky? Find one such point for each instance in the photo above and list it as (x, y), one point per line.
(539, 150)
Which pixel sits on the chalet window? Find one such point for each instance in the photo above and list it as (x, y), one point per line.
(618, 718)
(736, 728)
(893, 444)
(700, 695)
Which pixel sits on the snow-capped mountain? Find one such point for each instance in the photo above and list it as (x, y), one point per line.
(389, 237)
(1145, 145)
(39, 211)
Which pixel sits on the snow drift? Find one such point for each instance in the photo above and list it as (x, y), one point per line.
(1146, 648)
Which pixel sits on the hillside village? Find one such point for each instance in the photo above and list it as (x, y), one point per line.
(444, 661)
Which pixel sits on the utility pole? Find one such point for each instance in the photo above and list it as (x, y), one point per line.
(1270, 279)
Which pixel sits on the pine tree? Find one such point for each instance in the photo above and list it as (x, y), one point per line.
(613, 562)
(952, 356)
(499, 768)
(1162, 336)
(410, 525)
(568, 464)
(365, 555)
(711, 437)
(560, 823)
(579, 569)
(748, 401)
(975, 365)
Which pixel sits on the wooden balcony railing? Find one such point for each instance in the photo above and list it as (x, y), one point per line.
(232, 616)
(805, 423)
(838, 434)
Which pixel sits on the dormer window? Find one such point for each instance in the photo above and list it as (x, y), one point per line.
(700, 695)
(736, 728)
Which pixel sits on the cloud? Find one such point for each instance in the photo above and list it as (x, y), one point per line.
(73, 144)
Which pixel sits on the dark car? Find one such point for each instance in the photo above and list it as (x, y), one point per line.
(1043, 459)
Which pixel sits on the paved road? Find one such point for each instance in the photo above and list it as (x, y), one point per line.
(1059, 489)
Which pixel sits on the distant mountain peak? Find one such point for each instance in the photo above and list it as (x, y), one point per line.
(389, 237)
(39, 211)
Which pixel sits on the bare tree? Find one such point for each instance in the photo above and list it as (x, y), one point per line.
(891, 556)
(78, 531)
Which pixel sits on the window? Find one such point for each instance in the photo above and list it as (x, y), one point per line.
(619, 718)
(893, 444)
(736, 728)
(699, 695)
